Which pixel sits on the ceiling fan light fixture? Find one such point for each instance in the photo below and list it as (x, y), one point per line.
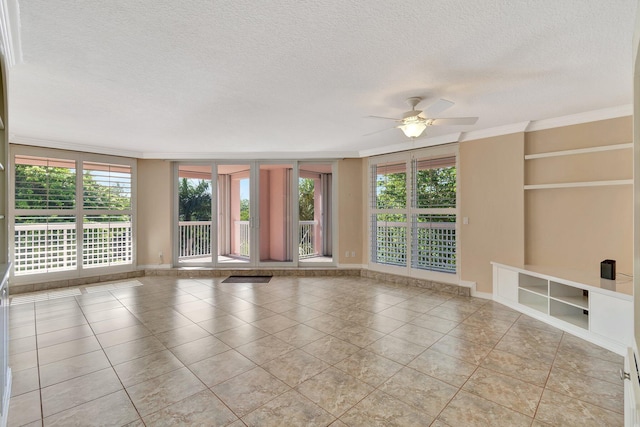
(413, 129)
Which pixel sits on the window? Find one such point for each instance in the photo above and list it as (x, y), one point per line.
(413, 211)
(70, 214)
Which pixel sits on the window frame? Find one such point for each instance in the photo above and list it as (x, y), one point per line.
(79, 212)
(410, 210)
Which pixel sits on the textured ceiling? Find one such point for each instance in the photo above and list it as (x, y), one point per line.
(195, 79)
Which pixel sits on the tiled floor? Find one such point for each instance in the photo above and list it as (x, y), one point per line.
(299, 351)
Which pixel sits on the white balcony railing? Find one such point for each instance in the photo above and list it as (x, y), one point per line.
(50, 247)
(306, 239)
(195, 239)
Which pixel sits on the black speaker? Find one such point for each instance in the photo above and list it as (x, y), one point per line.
(608, 269)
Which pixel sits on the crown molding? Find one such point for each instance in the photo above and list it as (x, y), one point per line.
(251, 155)
(47, 143)
(10, 32)
(495, 131)
(411, 145)
(586, 117)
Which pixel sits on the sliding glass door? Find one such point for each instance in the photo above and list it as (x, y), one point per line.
(262, 213)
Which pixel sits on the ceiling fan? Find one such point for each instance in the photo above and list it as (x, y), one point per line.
(414, 122)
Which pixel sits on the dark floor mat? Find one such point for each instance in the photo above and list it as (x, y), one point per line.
(247, 279)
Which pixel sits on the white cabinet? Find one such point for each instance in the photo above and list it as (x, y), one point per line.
(598, 310)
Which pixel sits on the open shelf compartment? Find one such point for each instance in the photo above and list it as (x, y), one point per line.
(569, 313)
(533, 300)
(569, 294)
(533, 284)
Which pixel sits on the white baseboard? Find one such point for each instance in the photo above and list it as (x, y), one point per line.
(155, 267)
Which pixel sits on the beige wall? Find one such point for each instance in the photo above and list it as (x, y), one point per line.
(154, 212)
(578, 227)
(491, 179)
(351, 210)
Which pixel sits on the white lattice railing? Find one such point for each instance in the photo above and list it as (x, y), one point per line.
(245, 237)
(43, 248)
(306, 239)
(195, 239)
(434, 245)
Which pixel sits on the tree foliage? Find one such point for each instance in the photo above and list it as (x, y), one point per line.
(306, 199)
(40, 187)
(194, 200)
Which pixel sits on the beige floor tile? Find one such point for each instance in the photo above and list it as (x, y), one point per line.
(396, 349)
(24, 381)
(250, 390)
(274, 324)
(45, 326)
(590, 366)
(434, 323)
(334, 390)
(448, 313)
(265, 349)
(469, 410)
(26, 360)
(221, 324)
(446, 368)
(203, 408)
(369, 367)
(358, 335)
(24, 409)
(73, 367)
(529, 370)
(331, 349)
(123, 335)
(299, 335)
(114, 409)
(64, 335)
(328, 324)
(467, 351)
(580, 347)
(147, 367)
(130, 350)
(22, 345)
(295, 367)
(216, 369)
(182, 335)
(527, 349)
(560, 410)
(160, 392)
(484, 336)
(65, 395)
(382, 410)
(241, 335)
(200, 349)
(288, 409)
(417, 335)
(254, 313)
(423, 392)
(302, 313)
(108, 325)
(505, 390)
(602, 393)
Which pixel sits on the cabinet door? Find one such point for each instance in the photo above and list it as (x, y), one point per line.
(506, 282)
(611, 317)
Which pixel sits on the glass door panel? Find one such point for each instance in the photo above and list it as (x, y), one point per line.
(194, 214)
(314, 240)
(234, 214)
(275, 212)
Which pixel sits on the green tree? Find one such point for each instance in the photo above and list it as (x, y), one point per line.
(306, 199)
(244, 210)
(194, 200)
(40, 187)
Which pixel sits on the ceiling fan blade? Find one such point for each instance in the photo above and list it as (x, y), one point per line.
(379, 131)
(453, 121)
(438, 107)
(386, 118)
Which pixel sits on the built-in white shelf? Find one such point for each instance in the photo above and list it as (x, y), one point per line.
(579, 184)
(579, 151)
(595, 309)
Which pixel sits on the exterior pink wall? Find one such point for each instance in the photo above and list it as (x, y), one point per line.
(235, 215)
(265, 225)
(277, 214)
(317, 215)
